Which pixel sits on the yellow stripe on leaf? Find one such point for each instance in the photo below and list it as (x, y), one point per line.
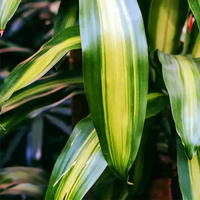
(182, 79)
(115, 63)
(41, 62)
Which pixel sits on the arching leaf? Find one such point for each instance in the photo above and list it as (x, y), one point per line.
(182, 78)
(41, 62)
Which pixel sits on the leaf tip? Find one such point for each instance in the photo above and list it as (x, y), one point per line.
(190, 152)
(2, 127)
(130, 183)
(1, 32)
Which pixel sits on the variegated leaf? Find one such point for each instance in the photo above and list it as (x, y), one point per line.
(79, 165)
(166, 20)
(41, 62)
(7, 10)
(182, 78)
(188, 173)
(115, 62)
(67, 15)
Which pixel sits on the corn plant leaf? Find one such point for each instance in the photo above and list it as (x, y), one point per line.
(182, 78)
(67, 15)
(79, 165)
(30, 109)
(195, 7)
(41, 62)
(194, 42)
(156, 103)
(188, 173)
(7, 10)
(140, 172)
(69, 164)
(166, 20)
(11, 176)
(42, 87)
(115, 68)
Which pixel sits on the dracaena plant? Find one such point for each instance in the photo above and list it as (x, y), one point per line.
(140, 59)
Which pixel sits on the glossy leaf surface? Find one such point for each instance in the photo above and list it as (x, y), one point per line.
(188, 173)
(7, 9)
(41, 62)
(79, 165)
(182, 79)
(166, 20)
(115, 63)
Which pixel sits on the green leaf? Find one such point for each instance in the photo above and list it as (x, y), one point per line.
(79, 165)
(115, 66)
(195, 7)
(30, 109)
(166, 20)
(7, 10)
(156, 103)
(67, 15)
(42, 87)
(41, 62)
(194, 43)
(188, 173)
(182, 78)
(141, 170)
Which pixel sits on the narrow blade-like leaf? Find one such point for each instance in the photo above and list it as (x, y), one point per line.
(115, 63)
(7, 10)
(195, 7)
(188, 173)
(41, 62)
(156, 103)
(182, 78)
(28, 110)
(194, 42)
(79, 165)
(42, 87)
(67, 15)
(166, 20)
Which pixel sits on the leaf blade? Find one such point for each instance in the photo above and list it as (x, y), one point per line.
(195, 7)
(188, 173)
(36, 66)
(166, 20)
(181, 76)
(86, 163)
(7, 10)
(123, 29)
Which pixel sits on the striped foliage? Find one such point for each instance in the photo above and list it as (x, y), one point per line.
(42, 87)
(188, 173)
(41, 62)
(182, 78)
(166, 20)
(82, 148)
(195, 7)
(17, 116)
(194, 42)
(67, 15)
(7, 10)
(79, 165)
(115, 63)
